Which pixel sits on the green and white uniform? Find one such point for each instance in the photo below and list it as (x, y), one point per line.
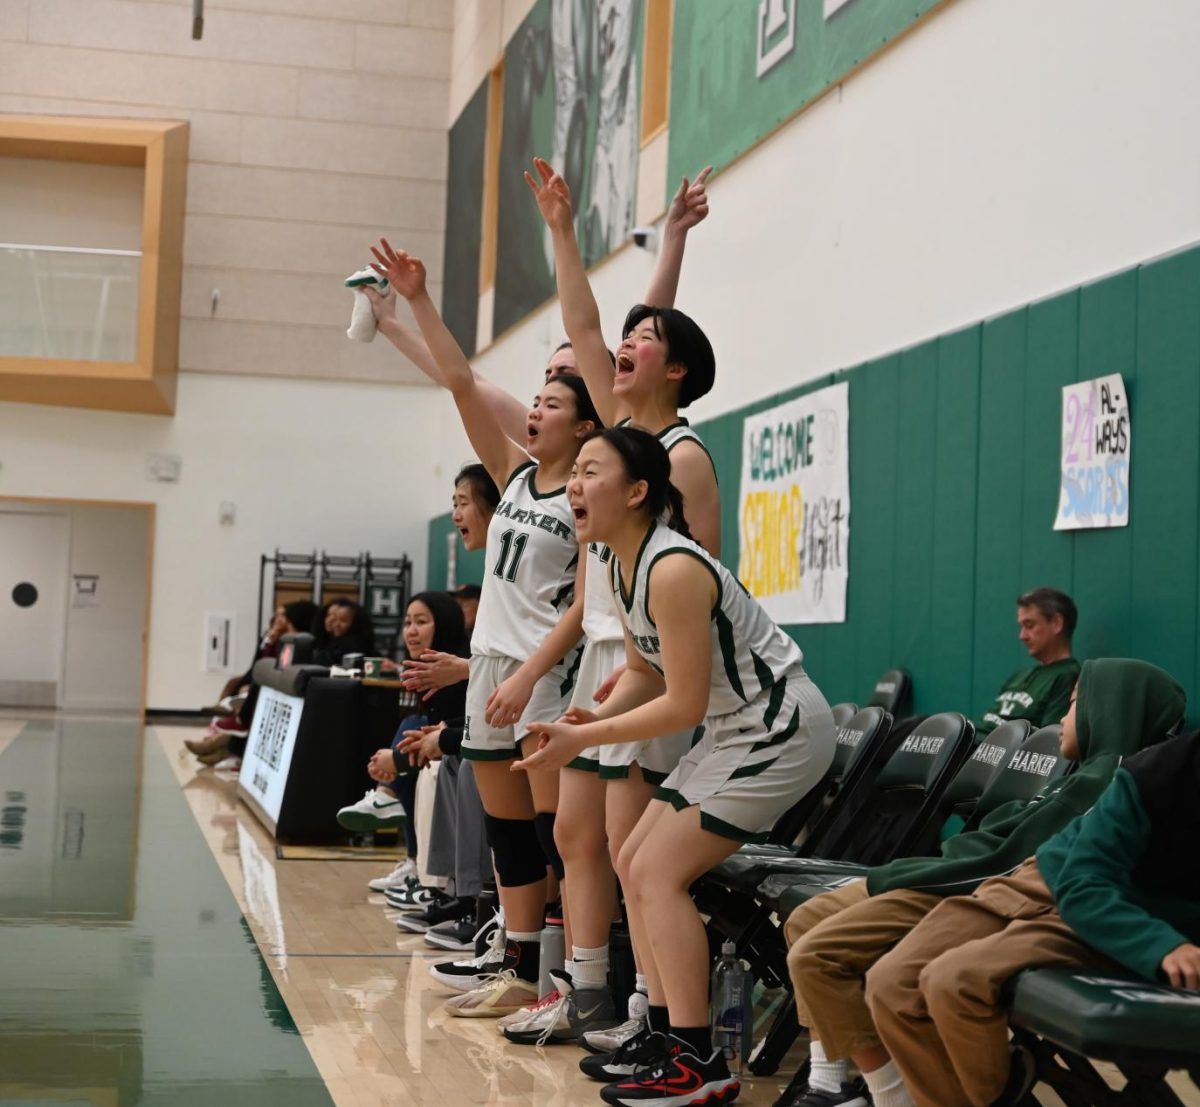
(768, 735)
(528, 582)
(656, 757)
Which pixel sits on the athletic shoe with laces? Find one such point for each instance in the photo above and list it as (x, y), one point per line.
(608, 1039)
(443, 909)
(457, 935)
(550, 999)
(678, 1080)
(411, 897)
(468, 974)
(501, 994)
(574, 1011)
(643, 1050)
(374, 811)
(851, 1094)
(401, 876)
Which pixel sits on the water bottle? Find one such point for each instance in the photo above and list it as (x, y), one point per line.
(551, 955)
(730, 1008)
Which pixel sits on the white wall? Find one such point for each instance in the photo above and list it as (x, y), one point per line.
(308, 464)
(1004, 150)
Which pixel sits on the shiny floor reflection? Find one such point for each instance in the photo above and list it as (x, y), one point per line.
(127, 972)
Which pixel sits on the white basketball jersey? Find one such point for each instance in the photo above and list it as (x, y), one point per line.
(601, 623)
(529, 568)
(750, 654)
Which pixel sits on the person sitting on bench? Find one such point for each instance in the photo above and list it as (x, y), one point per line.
(839, 937)
(1118, 888)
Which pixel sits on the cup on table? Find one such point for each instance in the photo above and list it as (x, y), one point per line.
(372, 668)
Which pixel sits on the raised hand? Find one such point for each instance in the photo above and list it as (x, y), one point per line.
(689, 205)
(552, 195)
(406, 274)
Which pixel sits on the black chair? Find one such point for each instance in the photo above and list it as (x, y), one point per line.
(844, 712)
(892, 691)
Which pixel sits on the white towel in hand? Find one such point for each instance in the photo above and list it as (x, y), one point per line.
(362, 319)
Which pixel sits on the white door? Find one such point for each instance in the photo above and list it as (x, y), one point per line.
(34, 556)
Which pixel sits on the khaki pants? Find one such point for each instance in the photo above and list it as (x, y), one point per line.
(832, 941)
(936, 996)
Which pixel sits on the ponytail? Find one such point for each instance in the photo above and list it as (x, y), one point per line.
(675, 517)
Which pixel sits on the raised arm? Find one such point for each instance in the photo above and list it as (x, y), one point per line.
(509, 411)
(581, 316)
(497, 452)
(689, 206)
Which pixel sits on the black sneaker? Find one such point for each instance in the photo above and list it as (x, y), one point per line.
(468, 974)
(446, 909)
(852, 1094)
(644, 1050)
(457, 935)
(679, 1079)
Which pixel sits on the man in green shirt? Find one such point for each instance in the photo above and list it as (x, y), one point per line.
(1047, 619)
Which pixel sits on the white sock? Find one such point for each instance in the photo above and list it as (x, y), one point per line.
(825, 1075)
(886, 1086)
(591, 966)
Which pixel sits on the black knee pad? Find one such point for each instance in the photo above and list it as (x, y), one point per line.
(516, 850)
(545, 831)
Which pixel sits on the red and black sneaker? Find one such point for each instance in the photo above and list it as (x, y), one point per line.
(681, 1079)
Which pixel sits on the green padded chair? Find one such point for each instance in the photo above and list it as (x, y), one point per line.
(1068, 1017)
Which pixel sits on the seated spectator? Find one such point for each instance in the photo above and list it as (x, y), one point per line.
(433, 621)
(291, 618)
(468, 599)
(1111, 891)
(345, 628)
(835, 938)
(1040, 693)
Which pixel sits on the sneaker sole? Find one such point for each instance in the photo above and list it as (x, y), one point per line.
(410, 925)
(716, 1092)
(483, 1013)
(357, 820)
(534, 1037)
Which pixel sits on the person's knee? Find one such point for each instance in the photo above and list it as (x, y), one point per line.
(577, 839)
(944, 983)
(517, 852)
(890, 984)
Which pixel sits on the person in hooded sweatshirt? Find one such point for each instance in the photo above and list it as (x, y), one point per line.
(1119, 708)
(1116, 889)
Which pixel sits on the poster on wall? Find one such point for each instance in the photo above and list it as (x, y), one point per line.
(740, 68)
(1096, 441)
(464, 221)
(572, 95)
(794, 507)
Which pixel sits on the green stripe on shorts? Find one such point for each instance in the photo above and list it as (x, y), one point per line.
(585, 765)
(468, 754)
(778, 739)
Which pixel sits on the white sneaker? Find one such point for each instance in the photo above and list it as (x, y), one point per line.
(502, 994)
(404, 873)
(375, 810)
(605, 1041)
(466, 975)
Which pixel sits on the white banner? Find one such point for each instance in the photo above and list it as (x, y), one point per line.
(269, 747)
(1096, 440)
(794, 507)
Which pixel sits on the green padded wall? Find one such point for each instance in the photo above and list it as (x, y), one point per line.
(954, 471)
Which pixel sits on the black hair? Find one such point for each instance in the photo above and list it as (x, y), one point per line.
(644, 457)
(361, 626)
(687, 345)
(483, 488)
(468, 592)
(585, 410)
(568, 345)
(301, 614)
(449, 629)
(1051, 602)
